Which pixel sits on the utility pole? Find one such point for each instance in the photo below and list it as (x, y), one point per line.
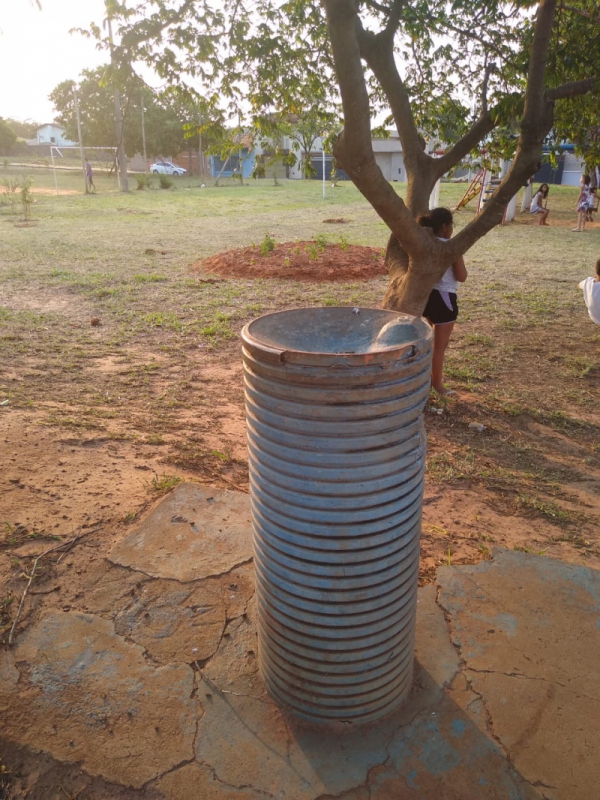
(144, 134)
(200, 161)
(85, 180)
(118, 121)
(240, 150)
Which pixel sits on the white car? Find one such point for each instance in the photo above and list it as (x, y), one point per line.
(161, 167)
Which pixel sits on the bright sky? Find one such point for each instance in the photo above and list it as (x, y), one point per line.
(37, 52)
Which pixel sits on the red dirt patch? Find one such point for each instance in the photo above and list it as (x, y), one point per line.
(300, 261)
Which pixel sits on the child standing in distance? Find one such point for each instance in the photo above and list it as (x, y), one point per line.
(89, 174)
(591, 294)
(441, 310)
(583, 203)
(589, 214)
(539, 204)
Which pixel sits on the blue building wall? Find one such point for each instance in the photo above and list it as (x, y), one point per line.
(248, 158)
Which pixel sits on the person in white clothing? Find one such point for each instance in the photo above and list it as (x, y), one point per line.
(539, 204)
(441, 310)
(591, 294)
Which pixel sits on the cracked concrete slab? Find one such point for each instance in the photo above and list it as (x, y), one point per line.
(194, 532)
(74, 689)
(504, 704)
(249, 742)
(175, 621)
(528, 633)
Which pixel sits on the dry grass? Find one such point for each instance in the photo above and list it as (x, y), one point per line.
(525, 356)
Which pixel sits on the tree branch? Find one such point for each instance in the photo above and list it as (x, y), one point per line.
(573, 89)
(354, 147)
(484, 125)
(538, 116)
(379, 55)
(581, 12)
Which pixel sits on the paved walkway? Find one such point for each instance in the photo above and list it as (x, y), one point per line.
(152, 687)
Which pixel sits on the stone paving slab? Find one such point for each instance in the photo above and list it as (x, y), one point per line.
(528, 630)
(74, 689)
(505, 703)
(194, 532)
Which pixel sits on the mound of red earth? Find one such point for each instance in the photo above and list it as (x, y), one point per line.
(299, 261)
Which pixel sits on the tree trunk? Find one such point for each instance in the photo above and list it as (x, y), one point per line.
(409, 292)
(396, 259)
(222, 170)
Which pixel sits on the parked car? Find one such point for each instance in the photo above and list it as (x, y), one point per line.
(161, 167)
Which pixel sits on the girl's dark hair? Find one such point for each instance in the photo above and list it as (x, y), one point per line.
(598, 268)
(541, 189)
(436, 219)
(586, 180)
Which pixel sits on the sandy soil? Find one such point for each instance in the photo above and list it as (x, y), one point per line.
(299, 261)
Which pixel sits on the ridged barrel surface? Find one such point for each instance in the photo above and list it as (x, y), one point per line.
(334, 402)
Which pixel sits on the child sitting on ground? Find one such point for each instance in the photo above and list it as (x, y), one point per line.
(591, 294)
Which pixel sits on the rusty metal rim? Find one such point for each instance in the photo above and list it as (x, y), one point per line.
(350, 707)
(319, 427)
(388, 452)
(402, 526)
(317, 640)
(310, 394)
(300, 527)
(342, 585)
(349, 510)
(336, 660)
(330, 690)
(307, 571)
(338, 625)
(346, 474)
(371, 603)
(321, 486)
(327, 452)
(316, 562)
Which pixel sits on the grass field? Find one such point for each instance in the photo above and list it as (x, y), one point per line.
(156, 387)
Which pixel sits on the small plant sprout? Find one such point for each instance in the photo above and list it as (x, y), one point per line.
(343, 241)
(267, 245)
(27, 197)
(313, 251)
(164, 483)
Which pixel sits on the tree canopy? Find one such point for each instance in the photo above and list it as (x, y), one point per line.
(26, 129)
(7, 137)
(164, 117)
(472, 74)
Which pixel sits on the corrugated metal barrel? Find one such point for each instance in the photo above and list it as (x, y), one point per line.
(334, 402)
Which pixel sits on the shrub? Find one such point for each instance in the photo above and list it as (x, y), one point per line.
(144, 182)
(165, 181)
(267, 244)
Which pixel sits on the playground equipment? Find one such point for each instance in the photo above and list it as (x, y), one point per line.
(473, 190)
(485, 184)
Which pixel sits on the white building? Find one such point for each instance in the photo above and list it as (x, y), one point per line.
(51, 133)
(388, 155)
(573, 169)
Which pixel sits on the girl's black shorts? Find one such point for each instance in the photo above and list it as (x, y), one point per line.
(441, 307)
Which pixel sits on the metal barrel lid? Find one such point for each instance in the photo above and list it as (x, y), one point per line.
(336, 335)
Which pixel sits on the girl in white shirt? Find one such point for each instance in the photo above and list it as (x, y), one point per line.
(540, 202)
(441, 310)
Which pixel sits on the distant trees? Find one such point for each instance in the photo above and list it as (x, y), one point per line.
(24, 130)
(7, 137)
(169, 126)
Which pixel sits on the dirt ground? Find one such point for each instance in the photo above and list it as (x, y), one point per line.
(97, 422)
(299, 261)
